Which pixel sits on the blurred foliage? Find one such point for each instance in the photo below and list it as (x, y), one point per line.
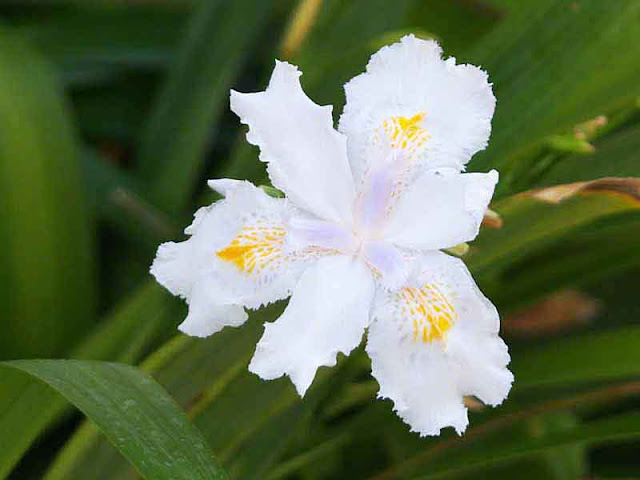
(113, 114)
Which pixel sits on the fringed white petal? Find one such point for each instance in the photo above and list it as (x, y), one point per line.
(417, 378)
(306, 156)
(432, 107)
(225, 186)
(234, 257)
(480, 365)
(207, 317)
(210, 307)
(435, 342)
(172, 268)
(441, 209)
(327, 314)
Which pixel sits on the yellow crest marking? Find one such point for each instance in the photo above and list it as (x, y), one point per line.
(431, 312)
(254, 249)
(406, 133)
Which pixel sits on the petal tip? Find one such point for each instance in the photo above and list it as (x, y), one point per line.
(193, 328)
(411, 39)
(269, 365)
(170, 268)
(188, 328)
(200, 325)
(224, 186)
(284, 73)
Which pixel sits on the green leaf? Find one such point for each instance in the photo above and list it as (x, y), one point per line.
(248, 422)
(560, 236)
(28, 406)
(134, 412)
(195, 95)
(598, 357)
(542, 61)
(615, 156)
(500, 450)
(130, 328)
(308, 457)
(47, 288)
(117, 199)
(556, 463)
(113, 114)
(566, 365)
(591, 254)
(130, 36)
(196, 372)
(499, 438)
(333, 54)
(536, 218)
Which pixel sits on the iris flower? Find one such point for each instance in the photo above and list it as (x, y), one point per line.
(357, 241)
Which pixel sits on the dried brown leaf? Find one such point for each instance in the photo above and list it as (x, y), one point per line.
(628, 187)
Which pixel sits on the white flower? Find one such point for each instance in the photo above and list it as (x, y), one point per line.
(356, 240)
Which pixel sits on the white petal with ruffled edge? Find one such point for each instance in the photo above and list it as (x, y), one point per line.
(451, 105)
(306, 156)
(235, 257)
(441, 209)
(327, 314)
(418, 380)
(436, 342)
(206, 316)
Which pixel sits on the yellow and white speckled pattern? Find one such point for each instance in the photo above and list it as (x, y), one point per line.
(430, 311)
(255, 249)
(406, 133)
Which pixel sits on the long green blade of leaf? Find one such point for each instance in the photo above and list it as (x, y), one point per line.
(195, 372)
(248, 423)
(450, 453)
(542, 61)
(591, 254)
(183, 121)
(496, 451)
(131, 36)
(604, 356)
(46, 286)
(536, 218)
(134, 412)
(28, 406)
